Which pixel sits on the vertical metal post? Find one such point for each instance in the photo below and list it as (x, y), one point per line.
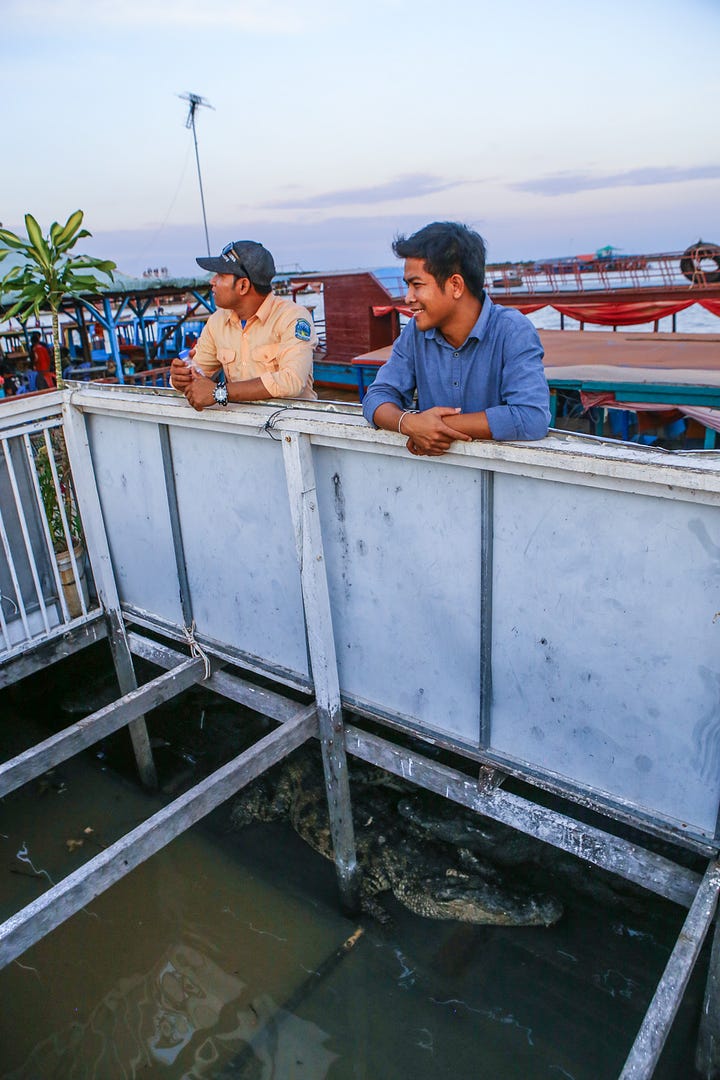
(300, 473)
(486, 583)
(113, 336)
(171, 489)
(99, 554)
(707, 1053)
(646, 1049)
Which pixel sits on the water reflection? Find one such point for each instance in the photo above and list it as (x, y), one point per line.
(189, 1018)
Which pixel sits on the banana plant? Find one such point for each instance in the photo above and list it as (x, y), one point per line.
(48, 272)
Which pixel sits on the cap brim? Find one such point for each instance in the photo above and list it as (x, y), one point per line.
(218, 266)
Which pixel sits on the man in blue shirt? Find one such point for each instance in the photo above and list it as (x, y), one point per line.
(476, 367)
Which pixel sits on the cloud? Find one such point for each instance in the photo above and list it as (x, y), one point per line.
(410, 186)
(570, 183)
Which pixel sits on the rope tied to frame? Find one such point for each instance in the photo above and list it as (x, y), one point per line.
(196, 650)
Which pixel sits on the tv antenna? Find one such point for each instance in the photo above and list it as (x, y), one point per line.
(196, 102)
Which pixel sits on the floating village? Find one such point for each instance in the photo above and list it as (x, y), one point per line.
(322, 760)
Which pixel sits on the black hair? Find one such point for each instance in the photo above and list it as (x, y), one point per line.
(447, 248)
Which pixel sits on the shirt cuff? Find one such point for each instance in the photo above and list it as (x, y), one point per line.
(500, 422)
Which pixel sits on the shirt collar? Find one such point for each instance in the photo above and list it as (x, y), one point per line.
(480, 328)
(261, 314)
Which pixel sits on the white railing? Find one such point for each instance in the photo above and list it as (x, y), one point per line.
(45, 582)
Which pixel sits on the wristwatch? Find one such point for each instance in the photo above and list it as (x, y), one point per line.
(220, 394)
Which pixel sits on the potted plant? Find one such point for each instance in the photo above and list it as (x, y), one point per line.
(47, 272)
(53, 497)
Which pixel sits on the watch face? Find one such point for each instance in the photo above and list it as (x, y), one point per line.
(221, 395)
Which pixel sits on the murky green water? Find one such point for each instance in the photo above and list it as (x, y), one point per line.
(222, 957)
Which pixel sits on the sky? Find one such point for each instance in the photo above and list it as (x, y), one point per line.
(553, 128)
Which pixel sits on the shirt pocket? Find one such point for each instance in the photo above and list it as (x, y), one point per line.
(266, 357)
(227, 358)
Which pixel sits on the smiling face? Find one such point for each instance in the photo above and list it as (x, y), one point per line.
(432, 305)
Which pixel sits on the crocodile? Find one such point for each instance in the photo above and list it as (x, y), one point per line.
(430, 878)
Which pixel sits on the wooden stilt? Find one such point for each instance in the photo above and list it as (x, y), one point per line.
(297, 452)
(707, 1054)
(80, 888)
(61, 746)
(88, 499)
(655, 1028)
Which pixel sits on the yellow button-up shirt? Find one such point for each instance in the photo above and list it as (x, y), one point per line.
(275, 345)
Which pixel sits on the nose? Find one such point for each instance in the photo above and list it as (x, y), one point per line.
(214, 279)
(409, 295)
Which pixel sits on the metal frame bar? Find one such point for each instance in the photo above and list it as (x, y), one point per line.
(81, 887)
(176, 528)
(64, 744)
(628, 860)
(486, 609)
(655, 1028)
(76, 440)
(300, 473)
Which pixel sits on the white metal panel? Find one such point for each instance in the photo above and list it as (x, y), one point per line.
(402, 550)
(240, 545)
(606, 643)
(129, 476)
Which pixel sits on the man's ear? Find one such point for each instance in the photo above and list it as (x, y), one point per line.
(457, 285)
(242, 286)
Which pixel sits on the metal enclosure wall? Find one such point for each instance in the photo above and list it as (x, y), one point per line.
(555, 605)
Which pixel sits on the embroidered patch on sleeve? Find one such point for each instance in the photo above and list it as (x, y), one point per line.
(302, 330)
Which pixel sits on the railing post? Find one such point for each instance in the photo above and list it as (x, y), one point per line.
(81, 467)
(300, 473)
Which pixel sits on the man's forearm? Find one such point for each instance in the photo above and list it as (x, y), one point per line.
(248, 390)
(473, 424)
(387, 416)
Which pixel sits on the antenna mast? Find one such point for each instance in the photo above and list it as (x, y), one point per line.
(195, 102)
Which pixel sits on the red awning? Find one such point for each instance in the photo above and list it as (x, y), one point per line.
(623, 314)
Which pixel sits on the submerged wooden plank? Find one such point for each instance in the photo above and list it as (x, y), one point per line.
(655, 1028)
(645, 868)
(78, 889)
(707, 1053)
(38, 759)
(86, 490)
(265, 702)
(68, 641)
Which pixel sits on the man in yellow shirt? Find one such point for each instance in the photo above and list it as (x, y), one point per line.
(262, 343)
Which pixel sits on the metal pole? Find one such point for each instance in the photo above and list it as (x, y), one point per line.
(197, 159)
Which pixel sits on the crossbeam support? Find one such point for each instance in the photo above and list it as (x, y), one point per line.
(80, 888)
(63, 745)
(645, 868)
(655, 1028)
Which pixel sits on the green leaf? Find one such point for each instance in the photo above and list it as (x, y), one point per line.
(70, 227)
(105, 266)
(34, 231)
(12, 241)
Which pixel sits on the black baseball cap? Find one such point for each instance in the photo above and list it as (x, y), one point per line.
(243, 258)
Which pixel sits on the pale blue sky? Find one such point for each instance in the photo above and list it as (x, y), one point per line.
(554, 128)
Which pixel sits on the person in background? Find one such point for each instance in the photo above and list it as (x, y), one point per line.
(40, 357)
(259, 344)
(476, 368)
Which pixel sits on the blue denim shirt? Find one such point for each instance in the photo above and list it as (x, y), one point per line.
(498, 370)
